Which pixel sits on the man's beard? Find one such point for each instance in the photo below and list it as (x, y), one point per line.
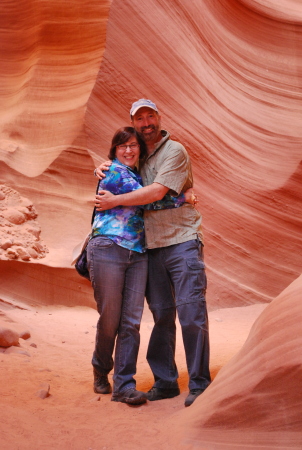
(150, 136)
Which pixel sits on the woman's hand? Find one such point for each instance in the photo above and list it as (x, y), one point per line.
(190, 197)
(99, 171)
(105, 200)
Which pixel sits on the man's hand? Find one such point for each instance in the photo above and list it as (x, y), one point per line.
(105, 200)
(190, 197)
(99, 171)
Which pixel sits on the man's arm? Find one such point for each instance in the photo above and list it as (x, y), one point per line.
(143, 196)
(99, 171)
(170, 201)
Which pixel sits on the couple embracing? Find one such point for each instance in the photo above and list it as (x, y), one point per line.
(147, 241)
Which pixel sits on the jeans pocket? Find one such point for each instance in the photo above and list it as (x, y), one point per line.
(102, 242)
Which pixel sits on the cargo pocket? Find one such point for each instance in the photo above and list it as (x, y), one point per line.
(198, 279)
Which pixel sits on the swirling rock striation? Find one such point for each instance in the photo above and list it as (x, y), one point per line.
(227, 78)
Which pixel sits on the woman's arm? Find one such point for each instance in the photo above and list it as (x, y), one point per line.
(148, 194)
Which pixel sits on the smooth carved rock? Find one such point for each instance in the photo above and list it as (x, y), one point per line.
(229, 89)
(8, 337)
(260, 387)
(223, 92)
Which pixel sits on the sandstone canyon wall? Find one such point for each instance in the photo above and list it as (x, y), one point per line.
(255, 401)
(227, 77)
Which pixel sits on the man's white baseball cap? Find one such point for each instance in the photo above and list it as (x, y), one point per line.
(142, 103)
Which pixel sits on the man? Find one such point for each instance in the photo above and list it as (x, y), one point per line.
(176, 277)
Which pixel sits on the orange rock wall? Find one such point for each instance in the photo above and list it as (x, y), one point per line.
(227, 78)
(258, 390)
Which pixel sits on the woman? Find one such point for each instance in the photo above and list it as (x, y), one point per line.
(117, 263)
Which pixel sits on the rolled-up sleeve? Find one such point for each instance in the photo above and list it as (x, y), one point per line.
(120, 181)
(173, 171)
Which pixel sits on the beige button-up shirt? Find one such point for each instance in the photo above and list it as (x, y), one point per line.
(170, 166)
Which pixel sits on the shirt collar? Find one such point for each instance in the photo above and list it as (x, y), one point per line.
(165, 136)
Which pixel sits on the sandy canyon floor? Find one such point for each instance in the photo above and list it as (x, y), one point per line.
(73, 417)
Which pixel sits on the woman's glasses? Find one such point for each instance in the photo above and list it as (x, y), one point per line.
(131, 146)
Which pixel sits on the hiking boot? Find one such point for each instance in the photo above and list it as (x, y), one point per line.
(160, 393)
(130, 396)
(193, 394)
(101, 384)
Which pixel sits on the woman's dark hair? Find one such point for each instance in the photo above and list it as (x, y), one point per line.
(123, 135)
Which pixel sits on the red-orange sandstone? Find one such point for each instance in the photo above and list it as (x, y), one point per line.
(226, 76)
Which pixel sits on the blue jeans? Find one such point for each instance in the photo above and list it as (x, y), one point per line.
(177, 282)
(118, 277)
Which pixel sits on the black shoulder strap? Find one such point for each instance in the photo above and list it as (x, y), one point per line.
(94, 209)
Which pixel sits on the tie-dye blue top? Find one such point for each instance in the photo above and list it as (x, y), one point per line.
(125, 224)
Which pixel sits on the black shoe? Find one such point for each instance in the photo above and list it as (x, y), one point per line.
(193, 394)
(101, 384)
(131, 396)
(160, 394)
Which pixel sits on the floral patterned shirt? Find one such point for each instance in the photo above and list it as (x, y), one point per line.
(125, 224)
